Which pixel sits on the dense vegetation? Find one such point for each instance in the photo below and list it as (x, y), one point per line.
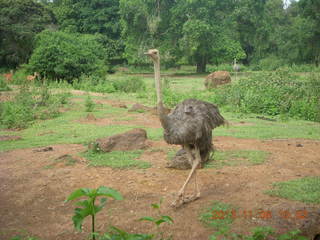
(187, 32)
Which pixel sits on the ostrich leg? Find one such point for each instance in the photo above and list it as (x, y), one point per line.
(195, 162)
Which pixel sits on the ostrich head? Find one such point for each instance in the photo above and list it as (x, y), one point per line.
(154, 54)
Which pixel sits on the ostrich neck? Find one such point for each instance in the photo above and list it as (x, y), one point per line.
(162, 115)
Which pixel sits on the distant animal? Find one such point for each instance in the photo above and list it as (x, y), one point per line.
(236, 67)
(32, 77)
(8, 76)
(190, 124)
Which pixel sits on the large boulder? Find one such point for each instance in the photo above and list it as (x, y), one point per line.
(181, 161)
(217, 78)
(128, 141)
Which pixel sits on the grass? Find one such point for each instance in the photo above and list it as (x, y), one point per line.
(305, 189)
(237, 158)
(218, 216)
(116, 159)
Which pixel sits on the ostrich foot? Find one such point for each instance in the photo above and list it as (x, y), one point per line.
(184, 200)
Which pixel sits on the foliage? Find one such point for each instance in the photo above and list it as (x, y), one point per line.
(20, 21)
(273, 93)
(92, 17)
(30, 105)
(82, 54)
(263, 233)
(88, 206)
(3, 85)
(159, 220)
(94, 84)
(304, 189)
(89, 104)
(129, 84)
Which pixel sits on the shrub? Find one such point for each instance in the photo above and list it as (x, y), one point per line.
(30, 105)
(129, 84)
(3, 85)
(273, 93)
(60, 55)
(94, 84)
(89, 104)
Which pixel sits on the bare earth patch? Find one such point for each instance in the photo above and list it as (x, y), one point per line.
(32, 195)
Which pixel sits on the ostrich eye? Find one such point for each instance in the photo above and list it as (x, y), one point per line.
(188, 109)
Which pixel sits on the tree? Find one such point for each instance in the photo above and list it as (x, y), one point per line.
(204, 31)
(20, 21)
(92, 17)
(60, 55)
(145, 25)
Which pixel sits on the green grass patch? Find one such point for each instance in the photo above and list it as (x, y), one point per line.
(261, 129)
(237, 158)
(305, 190)
(218, 216)
(116, 159)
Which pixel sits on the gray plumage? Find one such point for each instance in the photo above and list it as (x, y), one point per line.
(191, 123)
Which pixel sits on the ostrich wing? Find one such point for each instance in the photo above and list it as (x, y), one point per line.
(189, 128)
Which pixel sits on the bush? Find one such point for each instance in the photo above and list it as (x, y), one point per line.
(273, 93)
(89, 104)
(30, 105)
(129, 84)
(94, 84)
(60, 55)
(3, 85)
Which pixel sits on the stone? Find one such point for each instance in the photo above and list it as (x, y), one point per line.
(131, 140)
(217, 78)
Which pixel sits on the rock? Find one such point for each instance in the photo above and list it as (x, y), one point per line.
(44, 149)
(217, 78)
(181, 161)
(9, 138)
(139, 108)
(299, 145)
(131, 140)
(119, 105)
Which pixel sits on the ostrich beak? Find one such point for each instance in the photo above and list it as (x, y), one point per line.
(146, 53)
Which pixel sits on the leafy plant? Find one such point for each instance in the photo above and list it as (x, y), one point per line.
(158, 220)
(88, 206)
(89, 104)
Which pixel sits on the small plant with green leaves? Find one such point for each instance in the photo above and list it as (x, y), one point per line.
(158, 221)
(89, 104)
(88, 206)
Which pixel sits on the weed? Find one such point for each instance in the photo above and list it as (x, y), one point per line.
(304, 189)
(89, 208)
(158, 220)
(89, 104)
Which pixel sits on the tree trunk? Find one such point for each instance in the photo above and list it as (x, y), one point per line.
(201, 64)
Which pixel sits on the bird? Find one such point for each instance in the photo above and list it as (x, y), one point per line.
(8, 76)
(189, 124)
(236, 67)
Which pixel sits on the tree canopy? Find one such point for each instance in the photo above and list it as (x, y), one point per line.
(194, 32)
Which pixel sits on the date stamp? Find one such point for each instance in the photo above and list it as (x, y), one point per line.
(260, 214)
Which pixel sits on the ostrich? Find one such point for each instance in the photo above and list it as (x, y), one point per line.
(235, 67)
(190, 124)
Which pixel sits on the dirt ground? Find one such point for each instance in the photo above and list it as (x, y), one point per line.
(32, 194)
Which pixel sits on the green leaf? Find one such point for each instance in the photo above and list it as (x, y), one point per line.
(163, 219)
(151, 219)
(109, 192)
(155, 205)
(78, 193)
